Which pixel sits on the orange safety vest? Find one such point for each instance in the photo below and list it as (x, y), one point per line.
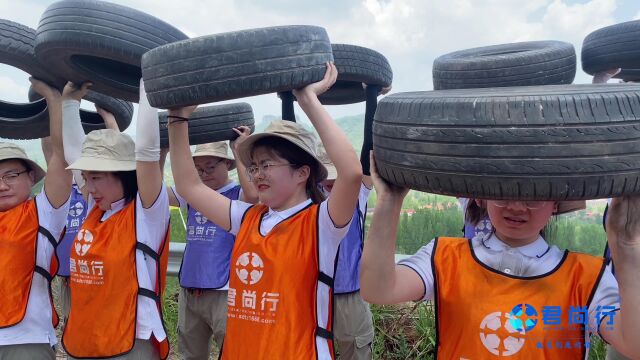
(19, 230)
(485, 314)
(273, 290)
(104, 286)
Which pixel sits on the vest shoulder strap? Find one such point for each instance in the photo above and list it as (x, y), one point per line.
(148, 251)
(324, 333)
(325, 279)
(44, 273)
(49, 236)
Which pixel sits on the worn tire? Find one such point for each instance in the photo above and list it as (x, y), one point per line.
(518, 64)
(212, 123)
(235, 65)
(356, 65)
(101, 42)
(612, 47)
(27, 120)
(567, 142)
(91, 120)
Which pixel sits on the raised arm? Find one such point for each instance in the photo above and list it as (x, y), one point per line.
(208, 202)
(72, 132)
(344, 195)
(148, 169)
(108, 118)
(623, 236)
(57, 183)
(381, 280)
(249, 191)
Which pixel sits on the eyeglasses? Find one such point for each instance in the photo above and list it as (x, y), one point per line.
(208, 170)
(12, 178)
(531, 205)
(252, 171)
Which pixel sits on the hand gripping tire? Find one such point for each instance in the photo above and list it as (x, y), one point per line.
(612, 47)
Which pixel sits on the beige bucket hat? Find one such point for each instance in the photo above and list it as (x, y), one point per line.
(569, 206)
(106, 150)
(290, 131)
(218, 149)
(9, 151)
(332, 172)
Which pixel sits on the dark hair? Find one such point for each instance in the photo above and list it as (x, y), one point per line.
(295, 155)
(129, 182)
(474, 213)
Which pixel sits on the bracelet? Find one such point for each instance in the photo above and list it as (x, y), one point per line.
(176, 121)
(177, 117)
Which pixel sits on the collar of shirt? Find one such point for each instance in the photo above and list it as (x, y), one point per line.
(535, 249)
(281, 215)
(227, 187)
(115, 207)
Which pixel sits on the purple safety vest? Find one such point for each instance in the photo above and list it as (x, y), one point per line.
(347, 278)
(205, 264)
(75, 218)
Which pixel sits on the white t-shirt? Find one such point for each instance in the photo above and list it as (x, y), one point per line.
(329, 237)
(36, 327)
(530, 260)
(151, 227)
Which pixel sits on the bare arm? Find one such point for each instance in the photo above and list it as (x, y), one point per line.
(148, 169)
(173, 200)
(381, 280)
(623, 236)
(57, 183)
(344, 195)
(249, 191)
(209, 202)
(108, 118)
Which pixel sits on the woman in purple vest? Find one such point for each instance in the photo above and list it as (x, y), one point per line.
(71, 98)
(204, 273)
(353, 323)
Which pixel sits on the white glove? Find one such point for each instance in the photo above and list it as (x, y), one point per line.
(604, 76)
(147, 130)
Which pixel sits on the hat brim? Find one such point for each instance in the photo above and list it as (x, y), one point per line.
(39, 172)
(100, 164)
(570, 206)
(218, 155)
(332, 173)
(245, 148)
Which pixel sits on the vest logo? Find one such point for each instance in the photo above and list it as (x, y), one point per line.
(249, 268)
(199, 218)
(83, 242)
(76, 209)
(499, 336)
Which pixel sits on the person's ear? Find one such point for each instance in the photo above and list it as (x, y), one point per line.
(32, 177)
(481, 203)
(303, 172)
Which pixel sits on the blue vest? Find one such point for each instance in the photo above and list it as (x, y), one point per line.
(75, 218)
(205, 264)
(483, 228)
(347, 278)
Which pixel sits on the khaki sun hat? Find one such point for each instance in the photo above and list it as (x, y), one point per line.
(9, 151)
(569, 206)
(332, 173)
(218, 149)
(106, 150)
(290, 131)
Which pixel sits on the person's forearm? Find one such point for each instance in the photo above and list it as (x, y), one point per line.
(627, 263)
(181, 161)
(250, 194)
(336, 143)
(377, 273)
(72, 135)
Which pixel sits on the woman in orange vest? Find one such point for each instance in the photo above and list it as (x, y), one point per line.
(511, 294)
(283, 259)
(118, 258)
(29, 232)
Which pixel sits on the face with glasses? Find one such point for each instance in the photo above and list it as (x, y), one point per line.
(277, 180)
(213, 171)
(15, 183)
(518, 222)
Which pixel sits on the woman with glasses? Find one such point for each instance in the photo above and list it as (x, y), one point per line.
(29, 233)
(204, 273)
(283, 259)
(513, 294)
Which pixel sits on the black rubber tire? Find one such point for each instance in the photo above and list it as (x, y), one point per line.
(564, 142)
(91, 120)
(27, 120)
(212, 123)
(518, 64)
(101, 42)
(235, 65)
(356, 65)
(612, 47)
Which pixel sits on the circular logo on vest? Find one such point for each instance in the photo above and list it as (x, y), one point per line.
(83, 242)
(499, 336)
(77, 209)
(523, 317)
(249, 268)
(199, 218)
